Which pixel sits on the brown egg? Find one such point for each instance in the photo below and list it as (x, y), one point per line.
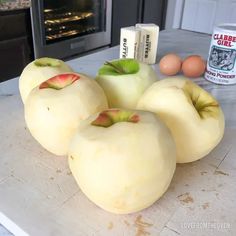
(170, 64)
(193, 66)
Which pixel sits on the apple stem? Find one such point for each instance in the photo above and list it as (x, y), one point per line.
(116, 68)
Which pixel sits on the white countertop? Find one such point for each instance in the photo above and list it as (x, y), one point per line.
(38, 193)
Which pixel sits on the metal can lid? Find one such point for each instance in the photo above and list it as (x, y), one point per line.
(226, 27)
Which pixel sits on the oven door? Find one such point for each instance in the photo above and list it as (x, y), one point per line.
(65, 28)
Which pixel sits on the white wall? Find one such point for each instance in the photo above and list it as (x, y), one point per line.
(203, 15)
(199, 15)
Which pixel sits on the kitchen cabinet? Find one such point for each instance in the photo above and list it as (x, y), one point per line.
(128, 13)
(15, 54)
(154, 11)
(16, 48)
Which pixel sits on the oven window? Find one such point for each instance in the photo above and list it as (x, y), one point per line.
(64, 19)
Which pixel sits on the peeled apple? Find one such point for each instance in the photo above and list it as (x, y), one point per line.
(124, 81)
(54, 109)
(123, 160)
(39, 71)
(192, 114)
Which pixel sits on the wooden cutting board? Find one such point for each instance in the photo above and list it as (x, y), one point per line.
(38, 192)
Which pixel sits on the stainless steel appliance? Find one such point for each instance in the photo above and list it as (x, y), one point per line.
(64, 28)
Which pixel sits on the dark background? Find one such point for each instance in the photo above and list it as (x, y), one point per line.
(128, 13)
(16, 46)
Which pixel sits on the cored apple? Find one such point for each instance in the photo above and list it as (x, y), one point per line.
(39, 71)
(54, 109)
(123, 160)
(124, 81)
(192, 114)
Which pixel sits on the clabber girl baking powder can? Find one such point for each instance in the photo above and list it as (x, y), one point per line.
(221, 63)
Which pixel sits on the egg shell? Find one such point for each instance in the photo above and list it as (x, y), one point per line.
(193, 66)
(170, 64)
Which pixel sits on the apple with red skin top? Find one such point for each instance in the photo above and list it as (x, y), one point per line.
(39, 71)
(123, 160)
(54, 109)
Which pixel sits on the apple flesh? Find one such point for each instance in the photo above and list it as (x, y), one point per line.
(54, 109)
(123, 160)
(124, 81)
(191, 113)
(109, 117)
(39, 71)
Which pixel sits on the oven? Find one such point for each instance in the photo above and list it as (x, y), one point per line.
(64, 28)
